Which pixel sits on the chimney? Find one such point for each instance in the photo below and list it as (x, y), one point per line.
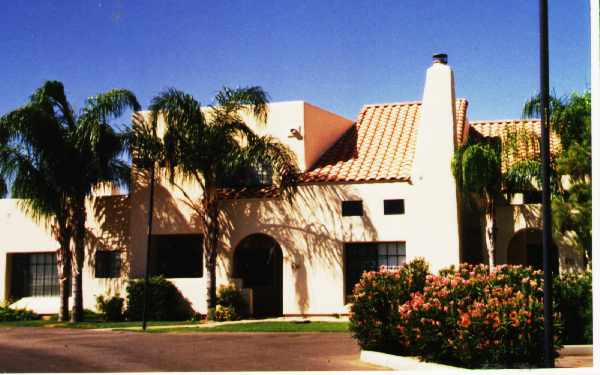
(440, 58)
(434, 187)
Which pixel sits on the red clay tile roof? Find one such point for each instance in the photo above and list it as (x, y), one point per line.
(526, 133)
(379, 147)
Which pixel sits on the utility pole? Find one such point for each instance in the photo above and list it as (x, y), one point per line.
(546, 213)
(149, 235)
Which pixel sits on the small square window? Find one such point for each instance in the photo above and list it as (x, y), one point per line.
(532, 197)
(352, 208)
(107, 264)
(393, 207)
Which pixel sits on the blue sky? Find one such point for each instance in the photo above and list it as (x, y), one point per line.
(336, 54)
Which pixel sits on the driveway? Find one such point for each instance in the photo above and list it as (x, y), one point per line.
(76, 350)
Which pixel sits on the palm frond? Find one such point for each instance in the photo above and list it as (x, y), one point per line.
(3, 188)
(525, 175)
(185, 130)
(51, 97)
(273, 154)
(253, 100)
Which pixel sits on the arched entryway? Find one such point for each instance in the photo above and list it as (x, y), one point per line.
(525, 247)
(258, 261)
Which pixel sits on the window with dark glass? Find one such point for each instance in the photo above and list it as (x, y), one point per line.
(33, 275)
(369, 256)
(257, 174)
(393, 207)
(352, 208)
(176, 256)
(532, 196)
(107, 264)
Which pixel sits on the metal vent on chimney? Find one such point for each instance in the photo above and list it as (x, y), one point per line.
(440, 58)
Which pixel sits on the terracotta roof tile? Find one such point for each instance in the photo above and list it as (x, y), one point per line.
(380, 146)
(520, 133)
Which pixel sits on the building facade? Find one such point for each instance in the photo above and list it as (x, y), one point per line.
(375, 191)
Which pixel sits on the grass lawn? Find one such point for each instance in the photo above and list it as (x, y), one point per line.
(263, 327)
(88, 324)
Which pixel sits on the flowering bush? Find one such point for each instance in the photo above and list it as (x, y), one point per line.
(376, 300)
(472, 318)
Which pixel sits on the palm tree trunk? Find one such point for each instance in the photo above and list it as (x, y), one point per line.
(77, 266)
(210, 245)
(63, 267)
(490, 230)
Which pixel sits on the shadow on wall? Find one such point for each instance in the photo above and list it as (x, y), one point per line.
(110, 232)
(309, 229)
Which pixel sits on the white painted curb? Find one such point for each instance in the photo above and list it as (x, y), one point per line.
(396, 362)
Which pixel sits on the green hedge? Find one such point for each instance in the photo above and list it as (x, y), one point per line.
(165, 301)
(12, 315)
(573, 297)
(110, 308)
(230, 304)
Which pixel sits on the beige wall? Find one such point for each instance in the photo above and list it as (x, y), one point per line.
(108, 228)
(513, 218)
(318, 128)
(310, 231)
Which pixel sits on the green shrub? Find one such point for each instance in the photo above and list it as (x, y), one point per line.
(165, 301)
(12, 315)
(224, 313)
(573, 297)
(111, 309)
(376, 300)
(231, 297)
(472, 318)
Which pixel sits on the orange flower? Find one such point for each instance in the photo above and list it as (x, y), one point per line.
(465, 320)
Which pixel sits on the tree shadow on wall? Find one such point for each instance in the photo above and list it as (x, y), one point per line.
(310, 230)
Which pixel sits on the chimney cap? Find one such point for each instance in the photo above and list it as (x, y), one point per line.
(440, 58)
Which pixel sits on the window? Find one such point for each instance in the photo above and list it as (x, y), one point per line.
(108, 264)
(393, 206)
(352, 208)
(176, 256)
(257, 174)
(533, 196)
(369, 256)
(34, 275)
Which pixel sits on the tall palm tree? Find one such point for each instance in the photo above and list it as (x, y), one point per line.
(215, 146)
(55, 157)
(570, 118)
(477, 170)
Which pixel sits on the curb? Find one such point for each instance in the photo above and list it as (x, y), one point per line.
(576, 350)
(396, 362)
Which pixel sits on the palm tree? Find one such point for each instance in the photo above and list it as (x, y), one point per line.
(477, 170)
(570, 118)
(212, 147)
(56, 157)
(32, 153)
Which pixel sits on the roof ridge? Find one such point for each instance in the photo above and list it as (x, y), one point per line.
(406, 102)
(504, 120)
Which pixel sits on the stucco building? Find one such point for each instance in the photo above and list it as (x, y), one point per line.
(374, 191)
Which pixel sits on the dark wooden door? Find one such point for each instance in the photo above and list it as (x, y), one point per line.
(260, 268)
